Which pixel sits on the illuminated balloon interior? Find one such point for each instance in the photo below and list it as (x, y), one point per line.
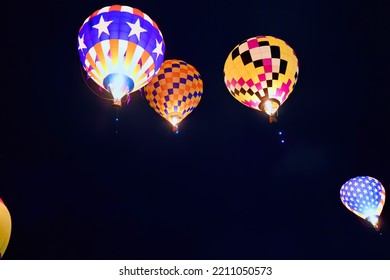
(118, 85)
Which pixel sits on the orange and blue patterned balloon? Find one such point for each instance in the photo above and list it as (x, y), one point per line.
(121, 49)
(261, 72)
(365, 197)
(175, 91)
(5, 228)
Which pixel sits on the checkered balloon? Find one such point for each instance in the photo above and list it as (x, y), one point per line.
(261, 72)
(365, 197)
(121, 49)
(5, 227)
(175, 91)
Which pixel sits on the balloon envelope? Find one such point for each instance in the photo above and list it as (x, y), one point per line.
(261, 72)
(5, 227)
(365, 197)
(121, 49)
(175, 91)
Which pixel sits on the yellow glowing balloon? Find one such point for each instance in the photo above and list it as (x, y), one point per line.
(5, 227)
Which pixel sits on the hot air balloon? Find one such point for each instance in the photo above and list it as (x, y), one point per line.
(364, 196)
(121, 49)
(261, 72)
(5, 227)
(175, 91)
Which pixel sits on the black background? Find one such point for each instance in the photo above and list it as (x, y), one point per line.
(225, 187)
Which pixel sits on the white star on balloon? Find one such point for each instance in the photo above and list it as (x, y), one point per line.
(102, 26)
(81, 43)
(158, 49)
(136, 29)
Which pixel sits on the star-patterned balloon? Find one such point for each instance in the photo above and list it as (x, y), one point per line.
(121, 49)
(365, 197)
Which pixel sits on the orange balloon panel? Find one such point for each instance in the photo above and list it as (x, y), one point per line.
(175, 91)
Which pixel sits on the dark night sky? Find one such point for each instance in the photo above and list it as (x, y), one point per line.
(225, 187)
